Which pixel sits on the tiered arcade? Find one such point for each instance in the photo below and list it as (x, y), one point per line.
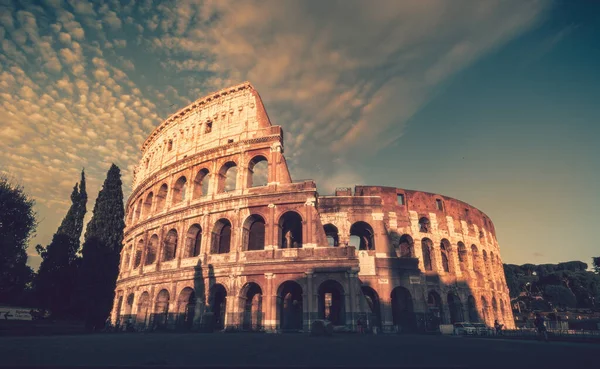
(218, 235)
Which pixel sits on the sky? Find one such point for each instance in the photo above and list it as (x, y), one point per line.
(491, 102)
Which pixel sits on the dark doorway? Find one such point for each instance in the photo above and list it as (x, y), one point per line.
(331, 302)
(252, 300)
(290, 306)
(456, 311)
(373, 301)
(402, 310)
(218, 300)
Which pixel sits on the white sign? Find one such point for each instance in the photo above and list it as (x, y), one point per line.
(383, 281)
(415, 279)
(12, 313)
(366, 263)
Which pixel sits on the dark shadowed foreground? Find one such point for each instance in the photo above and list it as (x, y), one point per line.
(266, 350)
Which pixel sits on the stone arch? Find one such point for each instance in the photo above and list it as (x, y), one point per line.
(228, 177)
(258, 171)
(221, 237)
(129, 306)
(148, 205)
(217, 303)
(427, 247)
(362, 236)
(331, 302)
(251, 307)
(289, 303)
(126, 252)
(424, 225)
(138, 211)
(374, 305)
(139, 250)
(143, 310)
(161, 309)
(402, 310)
(455, 307)
(161, 197)
(406, 246)
(201, 183)
(170, 245)
(332, 235)
(472, 309)
(179, 190)
(193, 241)
(254, 233)
(495, 308)
(475, 257)
(445, 251)
(290, 230)
(151, 249)
(435, 311)
(186, 307)
(485, 310)
(502, 310)
(463, 257)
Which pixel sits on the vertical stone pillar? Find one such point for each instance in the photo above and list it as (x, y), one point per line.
(310, 305)
(269, 307)
(419, 253)
(273, 229)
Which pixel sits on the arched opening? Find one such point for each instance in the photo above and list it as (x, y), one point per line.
(462, 257)
(289, 301)
(228, 177)
(495, 308)
(445, 252)
(151, 250)
(143, 309)
(426, 247)
(161, 310)
(331, 302)
(119, 307)
(138, 254)
(485, 308)
(472, 307)
(254, 233)
(435, 311)
(331, 232)
(290, 230)
(475, 258)
(424, 225)
(179, 190)
(374, 318)
(258, 172)
(217, 302)
(128, 307)
(186, 308)
(148, 205)
(502, 311)
(221, 237)
(402, 310)
(170, 245)
(455, 306)
(406, 246)
(138, 211)
(361, 236)
(486, 266)
(193, 241)
(251, 298)
(201, 183)
(126, 254)
(161, 198)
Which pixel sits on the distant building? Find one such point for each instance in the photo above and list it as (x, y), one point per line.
(219, 235)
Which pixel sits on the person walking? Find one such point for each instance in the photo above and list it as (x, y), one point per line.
(541, 327)
(498, 327)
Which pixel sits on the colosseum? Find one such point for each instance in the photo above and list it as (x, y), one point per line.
(218, 236)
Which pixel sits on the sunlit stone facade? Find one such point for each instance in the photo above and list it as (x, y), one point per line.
(218, 234)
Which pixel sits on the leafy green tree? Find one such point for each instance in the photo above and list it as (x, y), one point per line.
(55, 282)
(101, 251)
(17, 225)
(560, 296)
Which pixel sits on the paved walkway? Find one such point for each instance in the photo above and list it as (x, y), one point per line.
(269, 350)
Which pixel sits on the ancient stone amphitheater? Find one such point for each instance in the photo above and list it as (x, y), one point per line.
(219, 236)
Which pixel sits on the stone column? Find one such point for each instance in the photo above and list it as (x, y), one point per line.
(269, 304)
(310, 305)
(419, 253)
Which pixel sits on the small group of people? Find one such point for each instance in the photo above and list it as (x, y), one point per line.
(540, 325)
(498, 327)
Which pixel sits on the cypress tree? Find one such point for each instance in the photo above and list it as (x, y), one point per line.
(101, 251)
(55, 281)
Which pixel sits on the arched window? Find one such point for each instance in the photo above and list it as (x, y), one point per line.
(434, 305)
(331, 302)
(217, 302)
(138, 211)
(361, 236)
(462, 257)
(228, 177)
(475, 257)
(472, 307)
(138, 254)
(148, 205)
(193, 241)
(495, 308)
(290, 230)
(331, 232)
(170, 245)
(290, 310)
(251, 301)
(402, 309)
(258, 172)
(406, 246)
(161, 309)
(126, 253)
(426, 247)
(151, 250)
(201, 183)
(254, 233)
(455, 306)
(143, 310)
(445, 251)
(486, 265)
(179, 190)
(221, 237)
(161, 197)
(186, 306)
(424, 225)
